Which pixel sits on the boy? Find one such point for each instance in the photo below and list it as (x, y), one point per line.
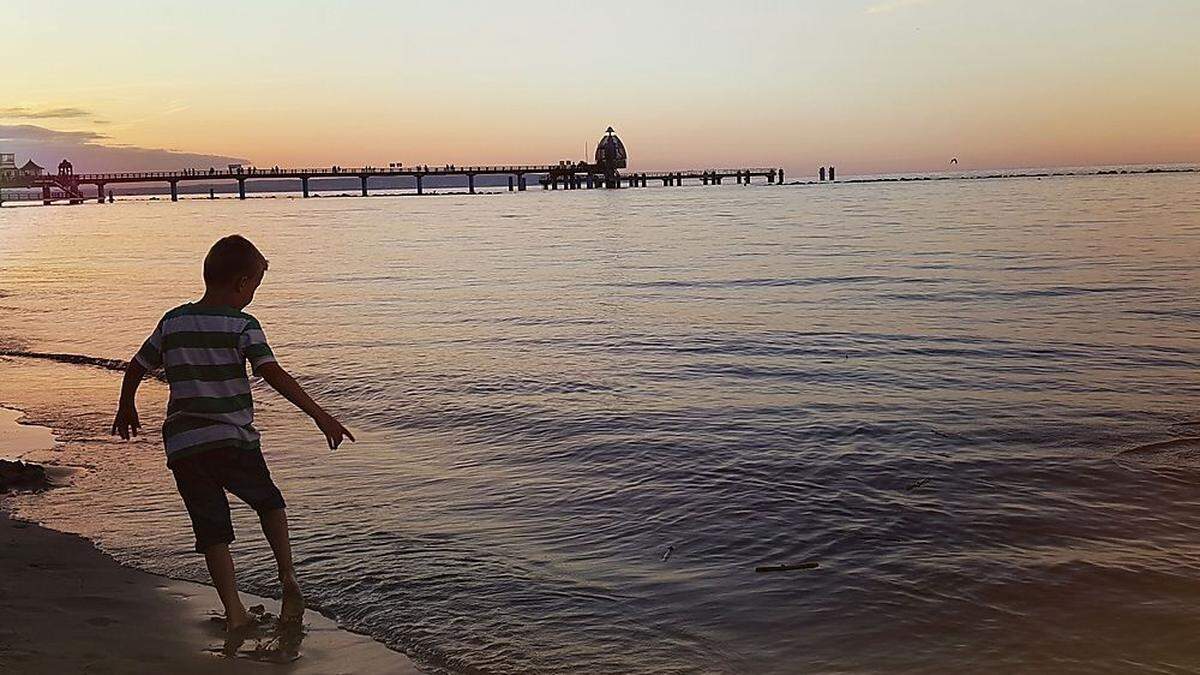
(211, 443)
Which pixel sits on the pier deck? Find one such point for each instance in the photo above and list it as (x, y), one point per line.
(67, 186)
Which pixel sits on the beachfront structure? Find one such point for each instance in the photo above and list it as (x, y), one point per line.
(606, 171)
(10, 170)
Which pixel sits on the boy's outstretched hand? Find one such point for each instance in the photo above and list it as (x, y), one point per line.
(285, 384)
(333, 429)
(126, 422)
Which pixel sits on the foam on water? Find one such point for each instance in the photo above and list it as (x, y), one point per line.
(925, 388)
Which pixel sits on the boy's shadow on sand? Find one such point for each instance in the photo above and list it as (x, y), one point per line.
(267, 639)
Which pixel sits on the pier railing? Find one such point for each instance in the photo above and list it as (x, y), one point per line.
(328, 171)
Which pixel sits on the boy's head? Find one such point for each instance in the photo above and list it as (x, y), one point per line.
(234, 267)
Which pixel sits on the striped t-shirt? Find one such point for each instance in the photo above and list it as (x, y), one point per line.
(203, 351)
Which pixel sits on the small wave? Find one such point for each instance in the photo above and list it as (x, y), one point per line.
(77, 359)
(1177, 452)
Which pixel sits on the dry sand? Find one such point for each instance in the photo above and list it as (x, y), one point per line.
(66, 607)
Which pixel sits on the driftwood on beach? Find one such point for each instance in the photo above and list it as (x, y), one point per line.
(22, 476)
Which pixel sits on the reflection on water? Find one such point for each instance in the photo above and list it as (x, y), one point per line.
(266, 640)
(921, 388)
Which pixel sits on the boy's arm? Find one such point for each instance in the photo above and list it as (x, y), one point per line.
(285, 384)
(126, 422)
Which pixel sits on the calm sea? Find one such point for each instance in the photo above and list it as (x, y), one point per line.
(925, 388)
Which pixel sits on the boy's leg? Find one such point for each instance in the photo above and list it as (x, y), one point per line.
(220, 568)
(275, 527)
(250, 479)
(208, 509)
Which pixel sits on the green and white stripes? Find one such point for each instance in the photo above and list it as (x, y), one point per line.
(203, 351)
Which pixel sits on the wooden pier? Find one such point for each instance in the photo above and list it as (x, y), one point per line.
(69, 187)
(605, 172)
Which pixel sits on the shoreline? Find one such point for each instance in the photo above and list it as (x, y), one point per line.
(70, 607)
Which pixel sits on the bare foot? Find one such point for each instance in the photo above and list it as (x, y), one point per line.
(238, 622)
(293, 604)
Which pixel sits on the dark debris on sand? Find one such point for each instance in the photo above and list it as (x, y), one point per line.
(22, 476)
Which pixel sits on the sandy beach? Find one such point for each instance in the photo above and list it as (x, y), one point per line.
(67, 607)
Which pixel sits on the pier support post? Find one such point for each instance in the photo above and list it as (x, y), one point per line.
(99, 193)
(471, 183)
(771, 176)
(822, 174)
(781, 176)
(241, 188)
(420, 188)
(304, 185)
(832, 173)
(45, 195)
(520, 182)
(510, 183)
(174, 190)
(364, 185)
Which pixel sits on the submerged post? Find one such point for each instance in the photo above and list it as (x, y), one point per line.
(304, 185)
(832, 173)
(174, 190)
(99, 193)
(241, 188)
(520, 182)
(420, 190)
(510, 183)
(363, 178)
(471, 182)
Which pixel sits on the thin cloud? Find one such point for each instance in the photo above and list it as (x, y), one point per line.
(92, 151)
(36, 134)
(26, 113)
(895, 5)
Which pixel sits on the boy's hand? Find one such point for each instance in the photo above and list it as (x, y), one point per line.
(126, 422)
(333, 429)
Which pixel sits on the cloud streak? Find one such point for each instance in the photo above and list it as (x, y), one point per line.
(28, 113)
(895, 5)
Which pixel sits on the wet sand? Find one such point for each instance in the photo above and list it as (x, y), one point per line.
(67, 607)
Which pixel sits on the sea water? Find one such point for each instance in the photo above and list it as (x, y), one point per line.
(586, 417)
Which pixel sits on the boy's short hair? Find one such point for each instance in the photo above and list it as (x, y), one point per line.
(230, 258)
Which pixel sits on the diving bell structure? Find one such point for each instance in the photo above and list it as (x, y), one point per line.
(610, 154)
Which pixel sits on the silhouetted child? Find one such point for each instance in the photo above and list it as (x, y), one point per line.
(212, 446)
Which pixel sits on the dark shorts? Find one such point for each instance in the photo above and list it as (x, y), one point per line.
(204, 477)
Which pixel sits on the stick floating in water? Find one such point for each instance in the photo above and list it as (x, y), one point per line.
(668, 553)
(919, 484)
(788, 567)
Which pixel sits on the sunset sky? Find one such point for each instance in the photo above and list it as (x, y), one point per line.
(869, 85)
